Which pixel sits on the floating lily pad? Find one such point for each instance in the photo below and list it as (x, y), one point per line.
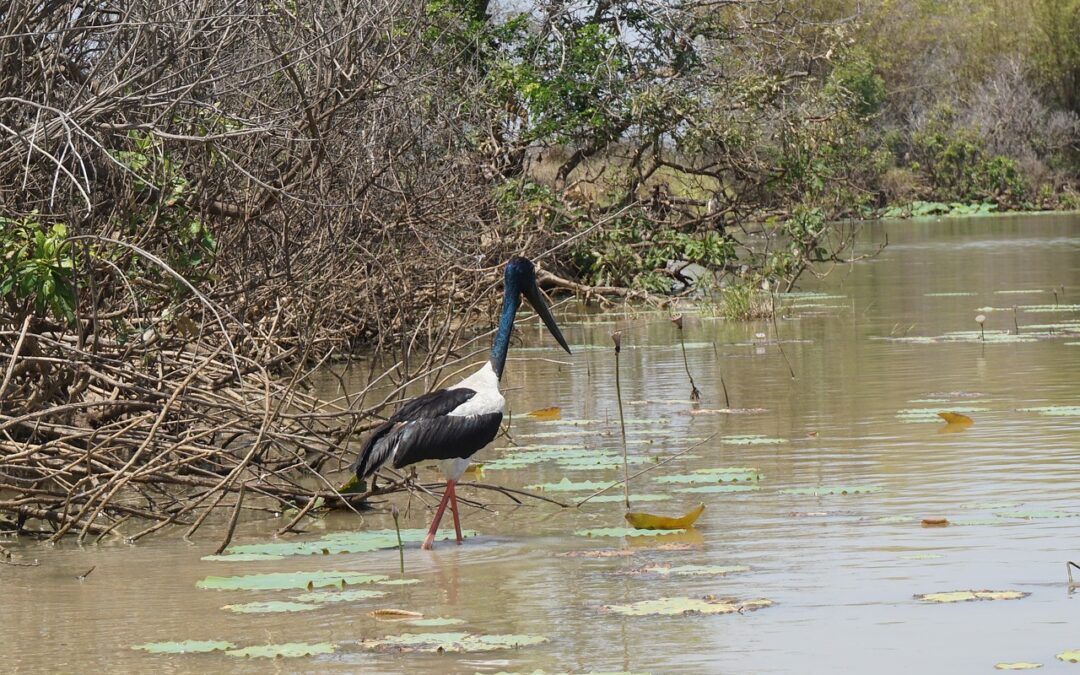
(288, 580)
(437, 621)
(724, 475)
(1072, 656)
(242, 557)
(968, 596)
(320, 597)
(1049, 308)
(270, 607)
(599, 499)
(398, 582)
(1055, 410)
(450, 642)
(283, 651)
(752, 439)
(185, 647)
(1021, 291)
(1029, 515)
(947, 295)
(567, 485)
(690, 570)
(1018, 665)
(623, 532)
(931, 414)
(888, 520)
(990, 506)
(704, 489)
(922, 556)
(832, 490)
(337, 542)
(677, 606)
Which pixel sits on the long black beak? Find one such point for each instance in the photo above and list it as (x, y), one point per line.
(536, 299)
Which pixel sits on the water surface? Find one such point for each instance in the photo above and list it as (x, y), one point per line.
(840, 569)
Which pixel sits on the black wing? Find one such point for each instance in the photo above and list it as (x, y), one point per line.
(422, 429)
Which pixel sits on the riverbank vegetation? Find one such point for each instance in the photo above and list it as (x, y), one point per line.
(202, 202)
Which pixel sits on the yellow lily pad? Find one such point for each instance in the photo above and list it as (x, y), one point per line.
(677, 606)
(968, 596)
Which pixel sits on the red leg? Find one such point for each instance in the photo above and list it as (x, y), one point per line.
(430, 539)
(453, 509)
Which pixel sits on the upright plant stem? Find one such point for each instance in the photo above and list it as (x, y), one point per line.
(617, 339)
(400, 545)
(695, 395)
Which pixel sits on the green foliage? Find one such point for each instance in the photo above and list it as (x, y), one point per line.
(1054, 49)
(37, 268)
(859, 79)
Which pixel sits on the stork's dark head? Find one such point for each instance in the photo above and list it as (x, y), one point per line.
(520, 277)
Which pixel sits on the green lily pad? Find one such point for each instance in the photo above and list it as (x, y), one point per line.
(185, 647)
(677, 606)
(1021, 291)
(964, 522)
(832, 490)
(288, 580)
(691, 570)
(947, 295)
(931, 414)
(450, 642)
(567, 485)
(242, 557)
(922, 556)
(702, 489)
(1028, 515)
(1055, 410)
(889, 520)
(1018, 665)
(990, 506)
(438, 621)
(270, 607)
(724, 475)
(1049, 308)
(623, 532)
(752, 439)
(1072, 656)
(283, 651)
(398, 582)
(601, 499)
(319, 597)
(337, 542)
(968, 596)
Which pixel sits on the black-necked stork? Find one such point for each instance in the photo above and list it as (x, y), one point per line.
(451, 425)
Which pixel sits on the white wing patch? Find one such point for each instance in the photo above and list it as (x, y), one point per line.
(488, 398)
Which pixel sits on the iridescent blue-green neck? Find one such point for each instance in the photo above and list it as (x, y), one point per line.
(511, 303)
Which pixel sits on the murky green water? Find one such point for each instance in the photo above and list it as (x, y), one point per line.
(841, 569)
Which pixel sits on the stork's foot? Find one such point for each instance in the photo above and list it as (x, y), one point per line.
(447, 495)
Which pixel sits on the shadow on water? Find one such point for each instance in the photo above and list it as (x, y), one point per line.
(815, 502)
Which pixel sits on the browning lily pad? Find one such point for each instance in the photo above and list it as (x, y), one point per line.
(449, 642)
(677, 606)
(270, 607)
(932, 414)
(832, 490)
(277, 581)
(185, 647)
(968, 596)
(283, 651)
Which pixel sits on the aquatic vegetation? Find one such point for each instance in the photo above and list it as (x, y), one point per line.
(1018, 665)
(394, 614)
(436, 621)
(712, 489)
(687, 570)
(270, 607)
(721, 475)
(624, 532)
(969, 596)
(319, 597)
(832, 490)
(934, 414)
(335, 542)
(546, 414)
(599, 499)
(288, 580)
(1029, 515)
(449, 642)
(1072, 656)
(185, 647)
(288, 650)
(677, 606)
(752, 439)
(567, 485)
(1055, 410)
(648, 521)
